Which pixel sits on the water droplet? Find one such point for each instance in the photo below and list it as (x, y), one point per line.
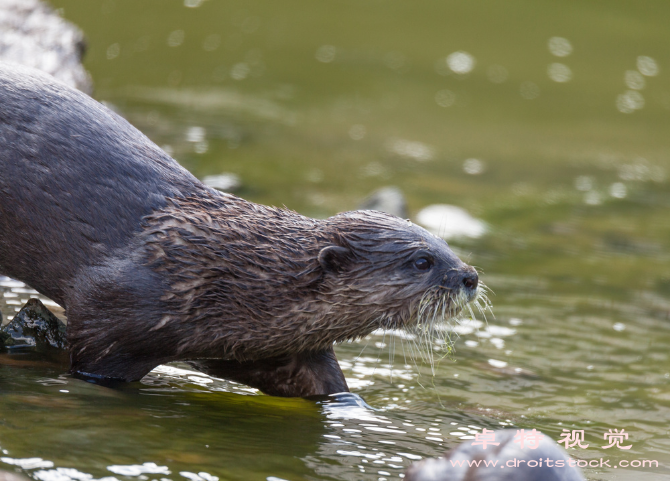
(529, 90)
(647, 66)
(176, 38)
(240, 71)
(461, 62)
(212, 42)
(618, 190)
(445, 98)
(559, 72)
(630, 101)
(473, 166)
(326, 53)
(559, 46)
(584, 183)
(634, 80)
(497, 74)
(357, 132)
(113, 51)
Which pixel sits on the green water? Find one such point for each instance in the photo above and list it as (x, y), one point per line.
(316, 104)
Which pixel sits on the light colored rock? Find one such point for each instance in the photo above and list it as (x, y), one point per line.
(387, 199)
(224, 182)
(450, 222)
(34, 35)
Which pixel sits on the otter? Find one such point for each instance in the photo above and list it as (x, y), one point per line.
(152, 266)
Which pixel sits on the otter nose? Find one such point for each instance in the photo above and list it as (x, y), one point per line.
(470, 280)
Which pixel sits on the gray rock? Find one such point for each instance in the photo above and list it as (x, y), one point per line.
(34, 328)
(454, 466)
(33, 34)
(387, 199)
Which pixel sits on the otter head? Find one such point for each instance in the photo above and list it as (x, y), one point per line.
(394, 272)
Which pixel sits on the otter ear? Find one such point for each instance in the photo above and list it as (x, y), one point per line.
(334, 258)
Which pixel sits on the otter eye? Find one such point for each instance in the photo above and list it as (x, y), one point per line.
(423, 264)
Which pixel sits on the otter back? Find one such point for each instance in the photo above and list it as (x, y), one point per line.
(75, 180)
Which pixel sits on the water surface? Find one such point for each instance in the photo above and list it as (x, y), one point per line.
(548, 121)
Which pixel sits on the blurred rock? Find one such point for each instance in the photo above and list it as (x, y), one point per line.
(7, 476)
(224, 182)
(387, 199)
(459, 463)
(34, 327)
(449, 222)
(33, 34)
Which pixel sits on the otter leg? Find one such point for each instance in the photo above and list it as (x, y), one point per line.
(305, 374)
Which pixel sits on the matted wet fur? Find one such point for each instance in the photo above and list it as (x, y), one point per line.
(153, 266)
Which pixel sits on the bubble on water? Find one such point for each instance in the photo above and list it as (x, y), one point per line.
(592, 198)
(374, 169)
(201, 147)
(642, 170)
(461, 62)
(395, 60)
(251, 24)
(559, 72)
(647, 66)
(113, 51)
(529, 90)
(357, 132)
(445, 98)
(474, 166)
(629, 101)
(240, 71)
(142, 43)
(559, 46)
(195, 134)
(411, 149)
(326, 53)
(619, 327)
(212, 42)
(618, 190)
(176, 38)
(192, 3)
(634, 80)
(584, 183)
(315, 175)
(497, 74)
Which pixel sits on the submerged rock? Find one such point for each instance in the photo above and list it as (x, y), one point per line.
(34, 328)
(33, 34)
(387, 199)
(546, 461)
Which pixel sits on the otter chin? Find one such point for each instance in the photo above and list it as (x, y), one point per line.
(152, 266)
